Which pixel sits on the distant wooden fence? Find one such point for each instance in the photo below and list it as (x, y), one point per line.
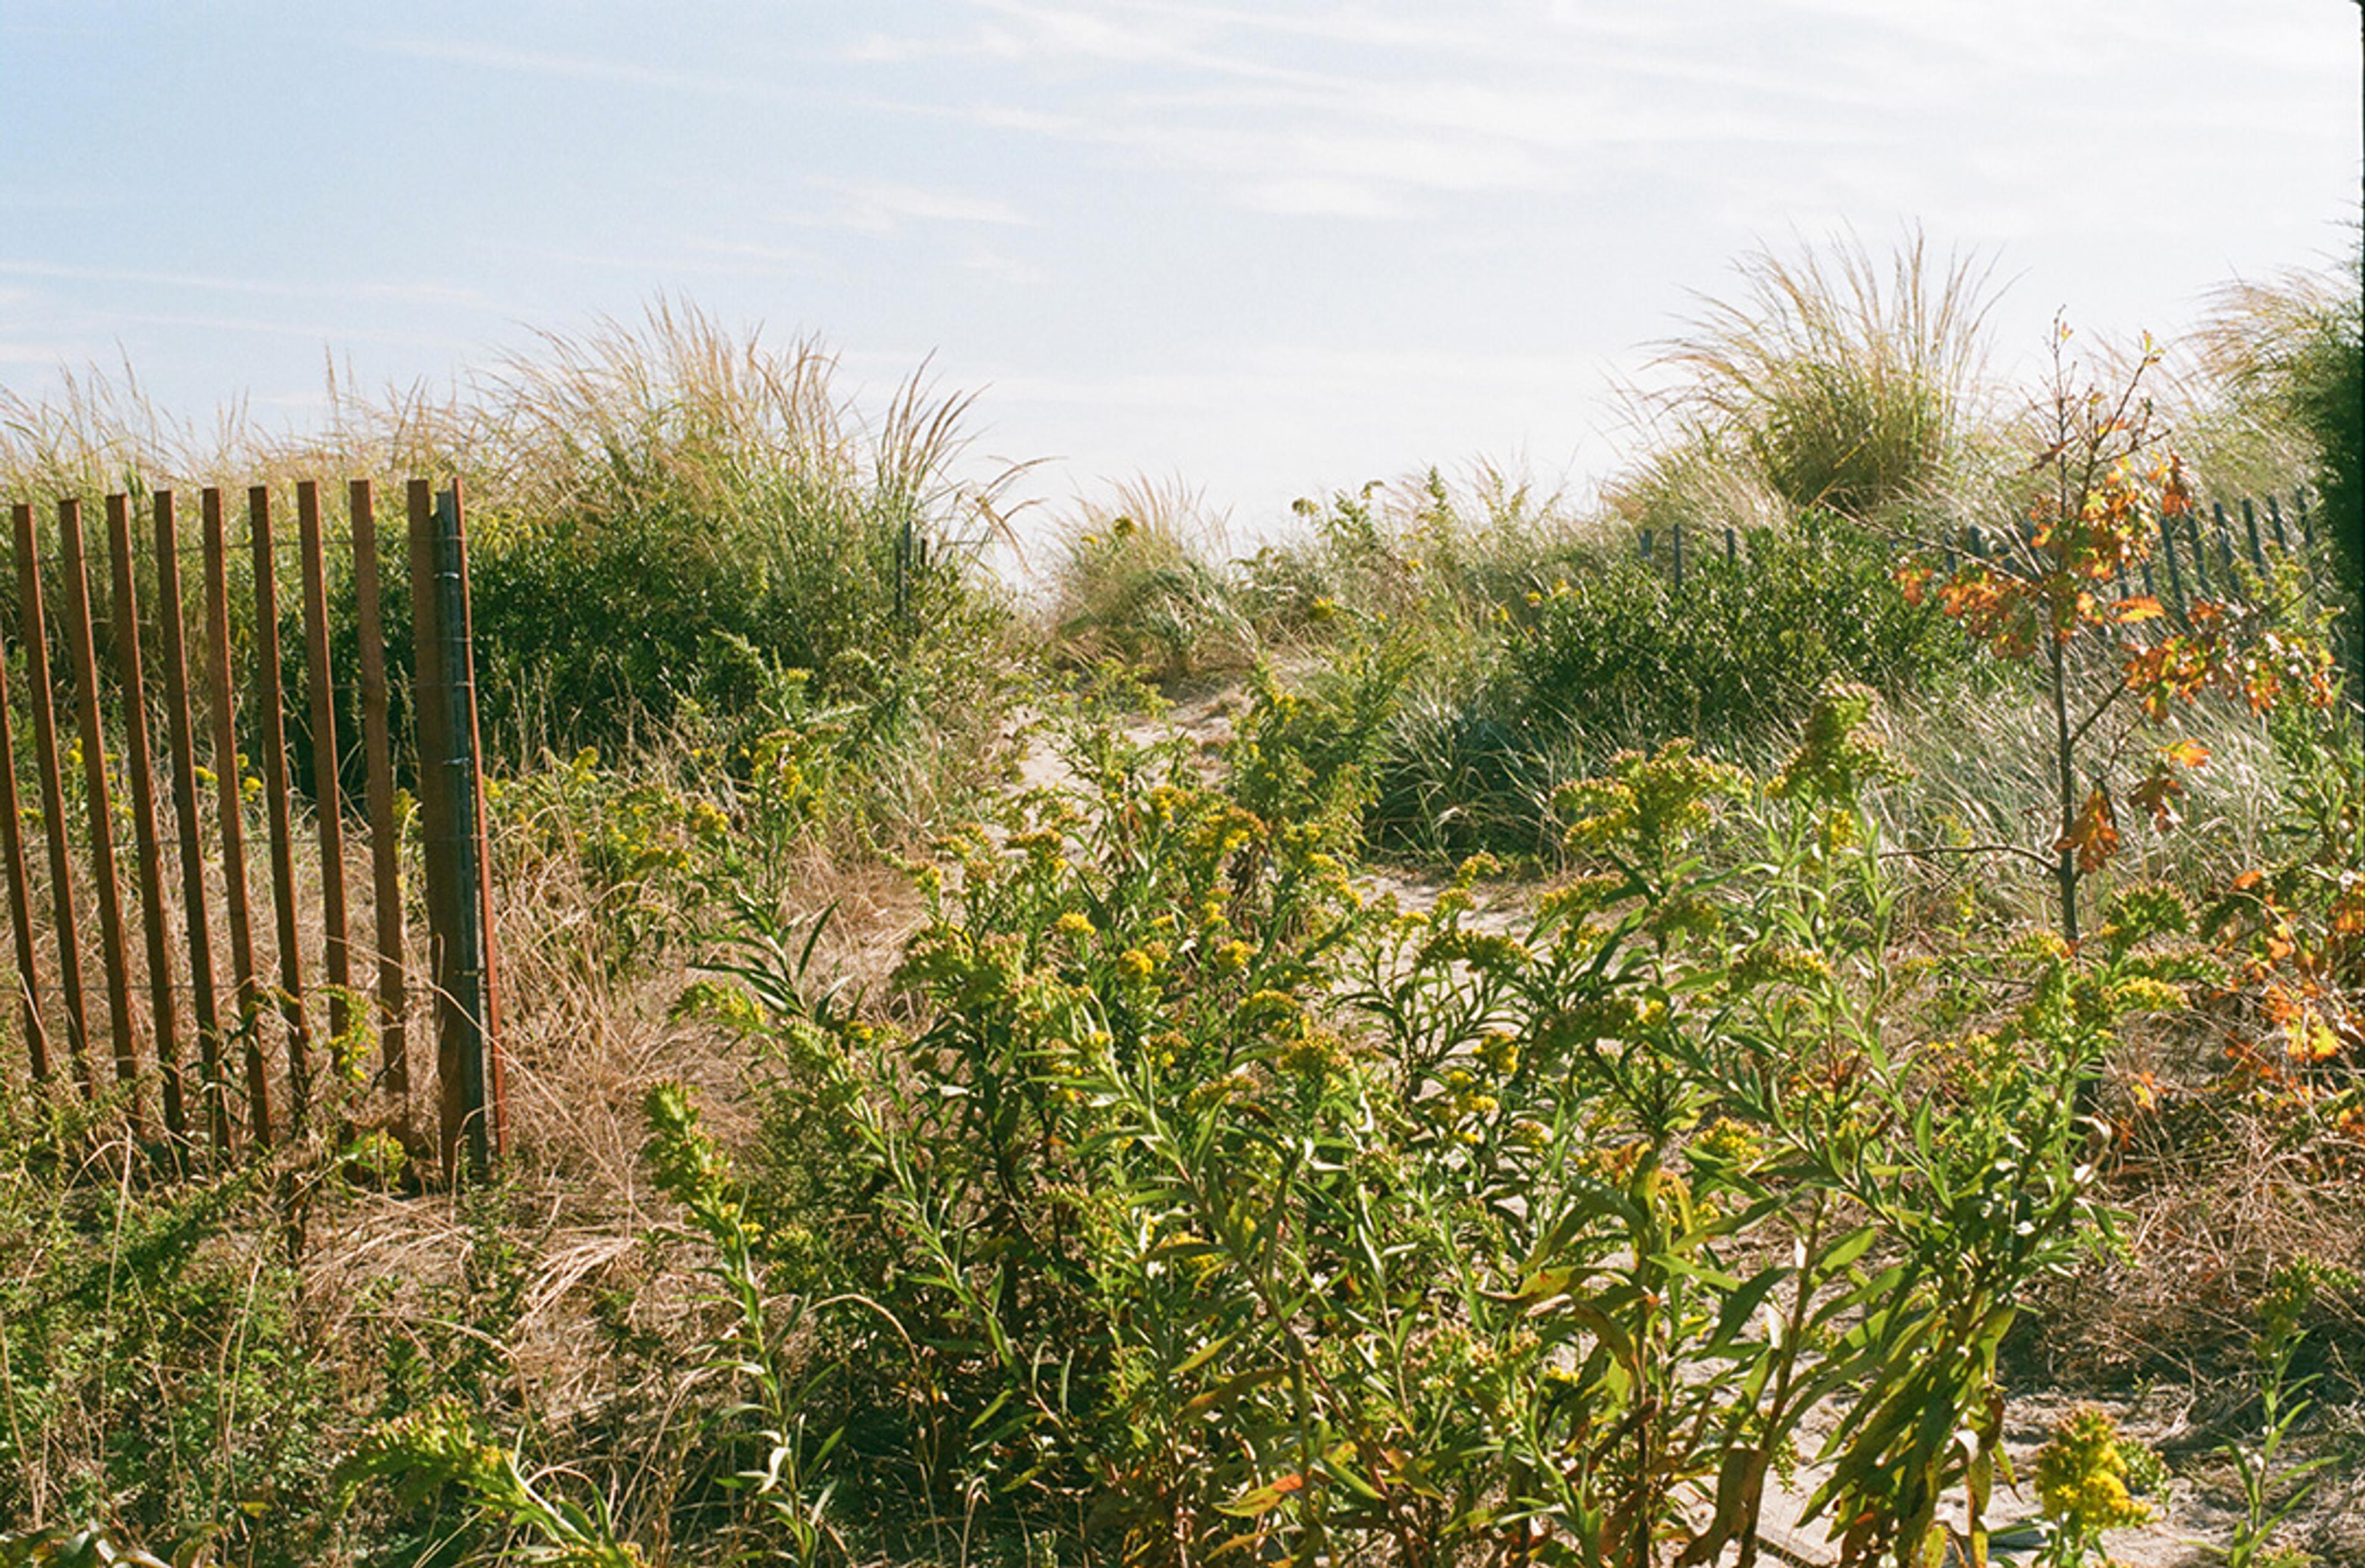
(170, 1018)
(2193, 557)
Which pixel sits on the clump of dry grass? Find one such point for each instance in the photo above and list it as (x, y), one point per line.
(2262, 350)
(1142, 577)
(1843, 384)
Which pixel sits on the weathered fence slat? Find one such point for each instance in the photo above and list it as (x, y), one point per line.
(164, 1017)
(180, 741)
(40, 696)
(431, 697)
(20, 907)
(232, 824)
(81, 648)
(328, 801)
(2175, 573)
(475, 875)
(271, 719)
(385, 837)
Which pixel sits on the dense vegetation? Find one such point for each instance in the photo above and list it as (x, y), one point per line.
(1588, 1063)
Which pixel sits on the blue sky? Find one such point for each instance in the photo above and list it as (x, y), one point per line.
(1266, 247)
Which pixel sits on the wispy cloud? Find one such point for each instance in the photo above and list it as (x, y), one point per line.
(429, 294)
(881, 208)
(408, 337)
(569, 67)
(1371, 112)
(46, 355)
(1002, 268)
(1319, 198)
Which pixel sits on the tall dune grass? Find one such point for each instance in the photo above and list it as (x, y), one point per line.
(666, 516)
(1845, 385)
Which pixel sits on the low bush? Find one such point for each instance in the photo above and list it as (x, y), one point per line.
(1623, 656)
(1213, 1208)
(158, 1371)
(673, 513)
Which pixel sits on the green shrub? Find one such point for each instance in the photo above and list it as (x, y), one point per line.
(156, 1372)
(1627, 657)
(1213, 1208)
(674, 510)
(1427, 554)
(1622, 657)
(2290, 356)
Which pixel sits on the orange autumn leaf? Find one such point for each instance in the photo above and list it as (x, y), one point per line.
(2156, 794)
(1263, 1499)
(2129, 612)
(2095, 835)
(2307, 1038)
(2186, 753)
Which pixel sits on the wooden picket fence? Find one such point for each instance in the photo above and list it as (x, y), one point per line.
(192, 1048)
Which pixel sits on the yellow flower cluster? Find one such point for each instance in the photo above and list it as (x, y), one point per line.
(2081, 1476)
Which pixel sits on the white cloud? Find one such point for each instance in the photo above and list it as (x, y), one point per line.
(1319, 198)
(570, 67)
(879, 208)
(1358, 112)
(1002, 268)
(364, 291)
(18, 351)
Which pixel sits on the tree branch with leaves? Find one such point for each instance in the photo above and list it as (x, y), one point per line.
(2116, 664)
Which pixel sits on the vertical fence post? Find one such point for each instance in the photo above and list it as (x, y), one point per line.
(2251, 523)
(428, 702)
(386, 848)
(20, 907)
(1675, 551)
(40, 695)
(327, 800)
(231, 795)
(2275, 518)
(459, 617)
(271, 716)
(181, 739)
(450, 797)
(163, 1016)
(82, 646)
